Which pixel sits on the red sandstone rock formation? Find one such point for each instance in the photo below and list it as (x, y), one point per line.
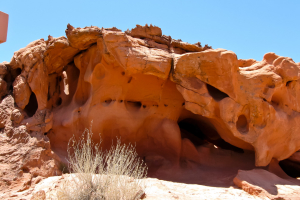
(187, 108)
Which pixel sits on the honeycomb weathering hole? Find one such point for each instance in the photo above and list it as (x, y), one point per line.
(32, 105)
(133, 105)
(106, 102)
(242, 124)
(215, 93)
(288, 83)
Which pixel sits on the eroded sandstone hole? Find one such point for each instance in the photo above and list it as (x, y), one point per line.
(215, 93)
(32, 105)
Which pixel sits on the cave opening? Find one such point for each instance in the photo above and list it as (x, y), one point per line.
(199, 133)
(290, 167)
(32, 105)
(190, 130)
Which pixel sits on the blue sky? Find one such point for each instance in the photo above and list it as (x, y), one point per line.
(250, 28)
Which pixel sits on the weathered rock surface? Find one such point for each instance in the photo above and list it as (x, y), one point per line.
(189, 109)
(25, 157)
(156, 189)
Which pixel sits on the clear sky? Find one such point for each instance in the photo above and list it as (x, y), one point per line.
(250, 28)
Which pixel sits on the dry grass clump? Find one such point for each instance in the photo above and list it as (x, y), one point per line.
(114, 175)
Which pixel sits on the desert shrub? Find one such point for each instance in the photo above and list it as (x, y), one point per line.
(112, 175)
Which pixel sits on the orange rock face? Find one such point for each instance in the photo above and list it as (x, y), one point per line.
(178, 102)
